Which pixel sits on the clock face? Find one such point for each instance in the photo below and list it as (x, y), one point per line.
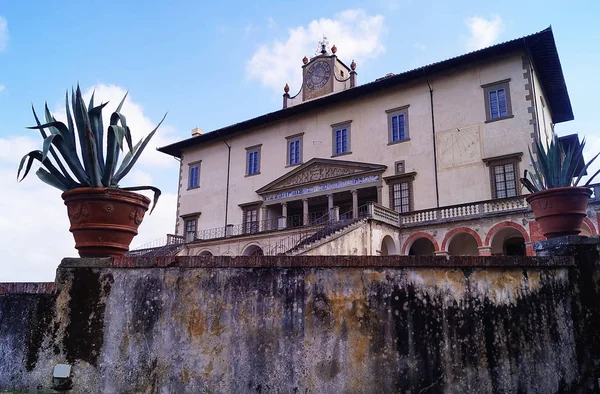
(318, 75)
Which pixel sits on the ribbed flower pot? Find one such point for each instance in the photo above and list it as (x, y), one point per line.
(104, 220)
(561, 210)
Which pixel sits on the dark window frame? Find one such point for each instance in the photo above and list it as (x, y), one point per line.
(191, 167)
(391, 113)
(288, 142)
(249, 150)
(502, 161)
(339, 127)
(250, 212)
(496, 86)
(401, 179)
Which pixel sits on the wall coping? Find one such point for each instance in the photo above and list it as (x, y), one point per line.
(26, 288)
(132, 262)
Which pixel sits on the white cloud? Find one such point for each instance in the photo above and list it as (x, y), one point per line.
(3, 33)
(36, 227)
(357, 36)
(271, 22)
(2, 88)
(484, 32)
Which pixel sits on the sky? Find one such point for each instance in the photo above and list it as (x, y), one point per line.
(211, 64)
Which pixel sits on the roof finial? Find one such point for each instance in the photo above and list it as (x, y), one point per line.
(333, 49)
(286, 88)
(353, 65)
(305, 60)
(323, 47)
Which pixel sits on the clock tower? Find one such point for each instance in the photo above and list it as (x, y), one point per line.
(321, 75)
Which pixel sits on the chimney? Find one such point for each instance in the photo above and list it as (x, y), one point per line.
(197, 131)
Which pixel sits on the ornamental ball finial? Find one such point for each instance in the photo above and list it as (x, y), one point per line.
(333, 49)
(353, 65)
(286, 88)
(305, 60)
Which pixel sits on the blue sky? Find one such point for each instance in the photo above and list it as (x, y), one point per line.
(211, 64)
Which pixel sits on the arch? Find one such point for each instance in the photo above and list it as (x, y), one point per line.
(508, 241)
(422, 247)
(590, 226)
(388, 246)
(502, 225)
(413, 237)
(204, 252)
(463, 244)
(452, 233)
(253, 250)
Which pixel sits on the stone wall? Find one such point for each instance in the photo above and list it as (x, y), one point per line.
(302, 325)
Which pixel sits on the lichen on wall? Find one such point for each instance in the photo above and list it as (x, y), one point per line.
(237, 325)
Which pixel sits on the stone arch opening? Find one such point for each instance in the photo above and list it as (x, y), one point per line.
(585, 230)
(253, 250)
(205, 253)
(388, 246)
(463, 244)
(422, 247)
(508, 242)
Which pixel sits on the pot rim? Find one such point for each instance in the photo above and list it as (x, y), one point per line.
(560, 190)
(100, 190)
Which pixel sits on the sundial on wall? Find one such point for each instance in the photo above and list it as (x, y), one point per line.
(458, 147)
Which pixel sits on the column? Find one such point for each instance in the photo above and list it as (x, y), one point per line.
(283, 217)
(262, 219)
(379, 191)
(354, 203)
(305, 219)
(330, 206)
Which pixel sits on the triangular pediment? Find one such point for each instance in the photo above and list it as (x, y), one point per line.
(319, 170)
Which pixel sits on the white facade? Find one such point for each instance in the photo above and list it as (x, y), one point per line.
(448, 152)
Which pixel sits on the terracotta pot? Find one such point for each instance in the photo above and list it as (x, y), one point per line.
(104, 220)
(561, 210)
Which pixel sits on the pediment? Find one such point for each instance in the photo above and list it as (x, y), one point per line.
(317, 171)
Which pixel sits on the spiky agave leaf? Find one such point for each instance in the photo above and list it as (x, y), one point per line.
(127, 166)
(52, 151)
(89, 143)
(37, 155)
(156, 191)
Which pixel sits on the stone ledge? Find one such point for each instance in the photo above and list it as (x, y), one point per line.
(568, 245)
(317, 262)
(27, 288)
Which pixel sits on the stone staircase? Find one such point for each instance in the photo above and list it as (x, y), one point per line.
(325, 235)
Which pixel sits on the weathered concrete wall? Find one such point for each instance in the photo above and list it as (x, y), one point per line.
(297, 325)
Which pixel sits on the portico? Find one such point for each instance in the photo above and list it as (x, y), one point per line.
(321, 190)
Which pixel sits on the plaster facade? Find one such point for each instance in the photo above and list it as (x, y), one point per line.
(447, 152)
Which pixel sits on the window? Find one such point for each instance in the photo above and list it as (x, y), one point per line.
(398, 124)
(190, 226)
(504, 175)
(341, 139)
(401, 197)
(253, 160)
(294, 149)
(194, 175)
(250, 220)
(497, 100)
(401, 193)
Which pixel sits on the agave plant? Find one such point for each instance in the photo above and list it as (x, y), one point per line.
(73, 155)
(555, 167)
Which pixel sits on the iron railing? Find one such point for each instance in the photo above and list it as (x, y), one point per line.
(259, 226)
(316, 232)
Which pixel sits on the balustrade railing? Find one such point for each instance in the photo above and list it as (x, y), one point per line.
(383, 214)
(457, 212)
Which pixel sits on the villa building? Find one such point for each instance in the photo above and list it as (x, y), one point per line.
(422, 162)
